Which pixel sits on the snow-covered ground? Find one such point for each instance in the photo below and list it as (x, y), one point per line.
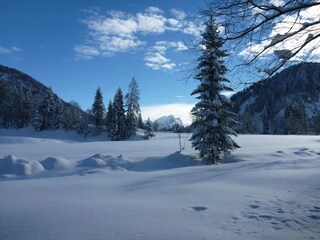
(57, 185)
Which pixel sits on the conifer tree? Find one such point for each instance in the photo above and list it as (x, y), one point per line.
(133, 108)
(148, 130)
(98, 111)
(294, 119)
(119, 129)
(213, 122)
(110, 118)
(140, 122)
(48, 113)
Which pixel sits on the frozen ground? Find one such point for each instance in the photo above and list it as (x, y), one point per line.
(56, 185)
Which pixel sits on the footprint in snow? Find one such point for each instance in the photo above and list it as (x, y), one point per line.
(315, 217)
(254, 206)
(198, 208)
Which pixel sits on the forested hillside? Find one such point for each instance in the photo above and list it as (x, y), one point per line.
(25, 101)
(287, 103)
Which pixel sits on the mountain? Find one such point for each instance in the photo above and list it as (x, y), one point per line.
(287, 103)
(21, 97)
(166, 123)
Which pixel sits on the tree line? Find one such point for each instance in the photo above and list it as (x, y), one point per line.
(120, 120)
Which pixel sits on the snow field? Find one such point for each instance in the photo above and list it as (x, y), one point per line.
(268, 189)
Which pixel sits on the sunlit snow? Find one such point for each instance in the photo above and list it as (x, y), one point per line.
(57, 185)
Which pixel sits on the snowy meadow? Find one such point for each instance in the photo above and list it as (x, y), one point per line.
(57, 185)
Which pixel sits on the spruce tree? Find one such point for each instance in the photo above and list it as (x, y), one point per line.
(213, 122)
(295, 119)
(148, 130)
(98, 111)
(119, 129)
(140, 122)
(133, 108)
(110, 119)
(47, 114)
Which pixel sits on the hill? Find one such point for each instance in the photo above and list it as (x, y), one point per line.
(284, 104)
(21, 96)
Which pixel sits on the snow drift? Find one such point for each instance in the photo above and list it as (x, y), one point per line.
(52, 163)
(99, 160)
(11, 165)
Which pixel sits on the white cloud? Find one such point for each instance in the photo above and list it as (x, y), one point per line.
(151, 23)
(181, 110)
(15, 49)
(113, 23)
(4, 50)
(115, 44)
(116, 31)
(179, 14)
(156, 56)
(283, 28)
(154, 10)
(85, 52)
(180, 46)
(157, 61)
(9, 50)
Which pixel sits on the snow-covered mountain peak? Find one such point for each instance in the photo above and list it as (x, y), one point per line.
(166, 123)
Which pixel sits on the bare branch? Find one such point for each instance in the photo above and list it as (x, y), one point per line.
(268, 34)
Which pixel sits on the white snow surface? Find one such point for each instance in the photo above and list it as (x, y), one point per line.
(57, 185)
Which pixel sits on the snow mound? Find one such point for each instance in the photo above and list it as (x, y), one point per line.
(10, 165)
(52, 163)
(99, 160)
(175, 160)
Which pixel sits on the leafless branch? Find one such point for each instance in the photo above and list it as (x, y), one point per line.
(271, 35)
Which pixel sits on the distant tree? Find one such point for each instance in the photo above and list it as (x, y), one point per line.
(140, 122)
(73, 118)
(119, 129)
(265, 117)
(213, 123)
(110, 119)
(98, 111)
(314, 109)
(133, 108)
(295, 119)
(148, 134)
(58, 112)
(249, 122)
(269, 34)
(48, 114)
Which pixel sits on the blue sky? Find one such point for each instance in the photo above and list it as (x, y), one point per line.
(76, 46)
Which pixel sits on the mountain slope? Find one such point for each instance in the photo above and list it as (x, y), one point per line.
(283, 104)
(20, 95)
(167, 123)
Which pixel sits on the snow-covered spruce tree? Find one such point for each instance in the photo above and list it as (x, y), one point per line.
(140, 122)
(133, 108)
(213, 123)
(119, 129)
(148, 133)
(98, 111)
(110, 119)
(47, 114)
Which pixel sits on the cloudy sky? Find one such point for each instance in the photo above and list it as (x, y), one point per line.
(77, 46)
